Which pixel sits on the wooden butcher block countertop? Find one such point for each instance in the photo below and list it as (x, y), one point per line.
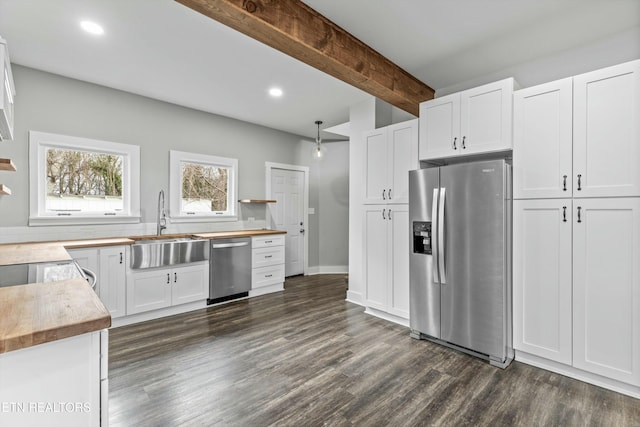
(42, 312)
(22, 253)
(242, 233)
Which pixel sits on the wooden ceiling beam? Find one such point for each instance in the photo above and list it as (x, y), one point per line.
(297, 30)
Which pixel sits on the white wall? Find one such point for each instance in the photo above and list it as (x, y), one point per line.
(616, 49)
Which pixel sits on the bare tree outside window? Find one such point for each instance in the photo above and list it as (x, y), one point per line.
(204, 188)
(83, 180)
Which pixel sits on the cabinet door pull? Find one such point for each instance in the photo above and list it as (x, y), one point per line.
(384, 192)
(564, 214)
(383, 217)
(464, 146)
(120, 257)
(454, 143)
(168, 278)
(389, 194)
(579, 214)
(389, 215)
(564, 182)
(579, 183)
(175, 277)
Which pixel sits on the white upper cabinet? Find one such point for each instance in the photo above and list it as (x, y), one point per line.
(579, 137)
(7, 93)
(440, 127)
(474, 121)
(390, 153)
(606, 132)
(542, 138)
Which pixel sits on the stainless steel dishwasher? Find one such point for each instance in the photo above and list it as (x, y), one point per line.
(229, 269)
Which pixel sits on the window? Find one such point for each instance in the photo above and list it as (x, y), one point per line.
(202, 187)
(82, 181)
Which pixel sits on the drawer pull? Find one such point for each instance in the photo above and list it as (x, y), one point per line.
(268, 275)
(268, 256)
(268, 241)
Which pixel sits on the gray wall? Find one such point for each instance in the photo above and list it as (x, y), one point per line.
(328, 227)
(51, 103)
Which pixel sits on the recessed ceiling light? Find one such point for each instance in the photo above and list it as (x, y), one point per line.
(276, 92)
(91, 27)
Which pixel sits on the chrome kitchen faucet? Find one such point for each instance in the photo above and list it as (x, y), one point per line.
(161, 218)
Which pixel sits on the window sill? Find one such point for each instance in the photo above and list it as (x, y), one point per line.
(202, 218)
(83, 220)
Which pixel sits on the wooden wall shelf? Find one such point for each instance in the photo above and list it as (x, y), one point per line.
(7, 165)
(255, 201)
(4, 190)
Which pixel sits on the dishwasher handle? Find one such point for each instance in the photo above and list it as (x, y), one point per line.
(228, 245)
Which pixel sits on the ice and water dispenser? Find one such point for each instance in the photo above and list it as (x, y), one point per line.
(422, 237)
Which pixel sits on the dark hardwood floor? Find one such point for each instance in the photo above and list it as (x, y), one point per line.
(306, 357)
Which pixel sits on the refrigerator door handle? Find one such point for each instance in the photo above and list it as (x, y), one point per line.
(434, 218)
(441, 266)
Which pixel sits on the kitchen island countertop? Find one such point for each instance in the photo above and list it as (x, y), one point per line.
(42, 312)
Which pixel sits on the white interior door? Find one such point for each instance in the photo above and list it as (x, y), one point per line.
(287, 188)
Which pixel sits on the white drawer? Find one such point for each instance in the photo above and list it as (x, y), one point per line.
(265, 276)
(266, 241)
(263, 257)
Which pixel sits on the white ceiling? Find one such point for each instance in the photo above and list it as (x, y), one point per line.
(163, 50)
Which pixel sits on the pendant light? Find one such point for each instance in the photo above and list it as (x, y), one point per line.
(319, 150)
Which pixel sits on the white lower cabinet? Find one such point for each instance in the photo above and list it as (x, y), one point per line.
(542, 278)
(267, 264)
(386, 258)
(577, 284)
(164, 287)
(606, 287)
(109, 264)
(58, 383)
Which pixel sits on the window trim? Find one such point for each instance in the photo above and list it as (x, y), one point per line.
(175, 186)
(39, 142)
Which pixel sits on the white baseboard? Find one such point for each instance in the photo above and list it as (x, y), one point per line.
(157, 314)
(578, 374)
(387, 316)
(266, 290)
(355, 297)
(328, 269)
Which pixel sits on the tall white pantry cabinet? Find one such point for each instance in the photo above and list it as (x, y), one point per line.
(390, 153)
(576, 265)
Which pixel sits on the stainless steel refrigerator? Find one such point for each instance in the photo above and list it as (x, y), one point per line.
(460, 257)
